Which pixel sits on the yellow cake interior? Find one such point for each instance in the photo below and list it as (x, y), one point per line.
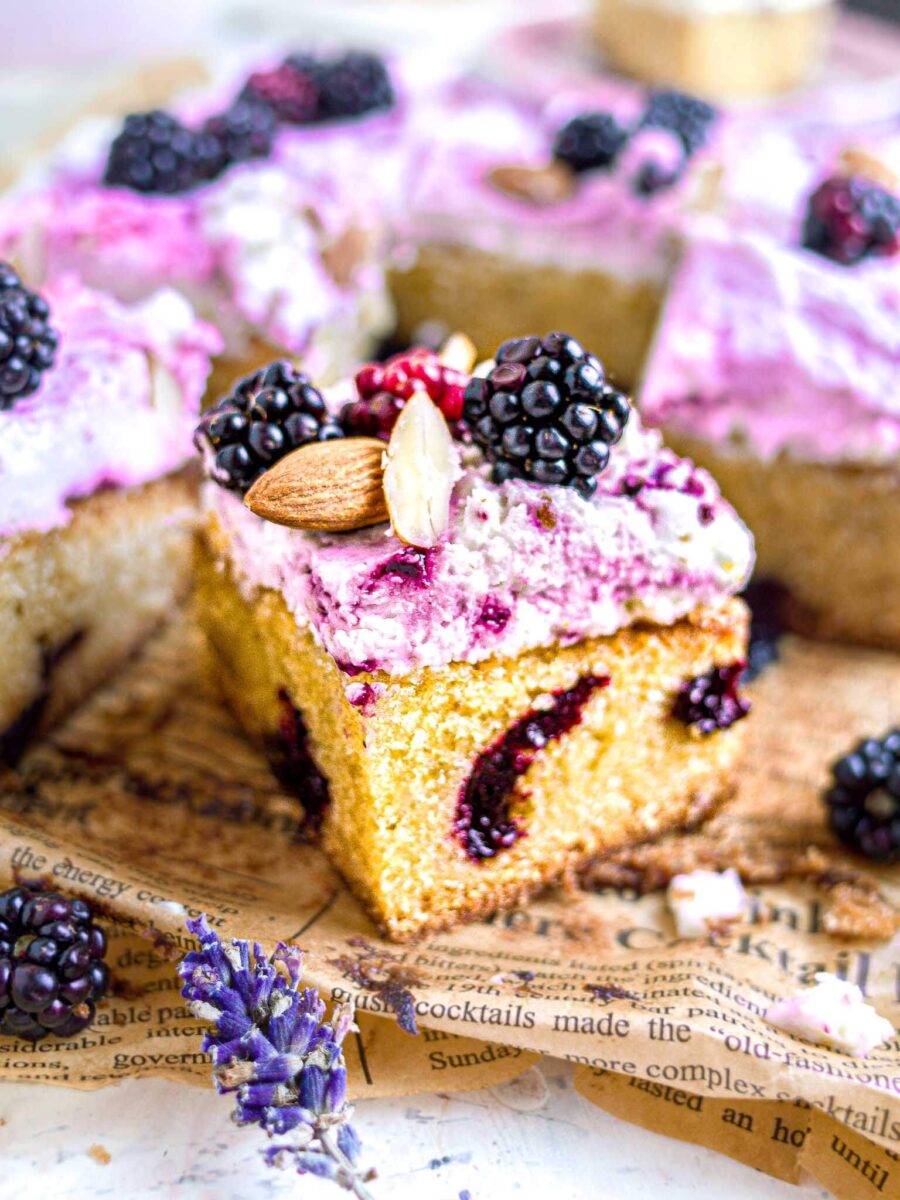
(626, 772)
(494, 297)
(77, 601)
(827, 531)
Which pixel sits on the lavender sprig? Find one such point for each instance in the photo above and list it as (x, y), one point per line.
(272, 1047)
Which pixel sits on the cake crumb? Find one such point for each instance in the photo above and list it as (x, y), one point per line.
(704, 901)
(855, 908)
(100, 1154)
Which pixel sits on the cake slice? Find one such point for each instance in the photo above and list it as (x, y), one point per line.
(545, 668)
(735, 50)
(522, 214)
(97, 499)
(775, 366)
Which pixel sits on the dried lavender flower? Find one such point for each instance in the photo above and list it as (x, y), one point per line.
(272, 1046)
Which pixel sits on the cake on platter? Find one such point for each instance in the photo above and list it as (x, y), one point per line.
(522, 215)
(486, 625)
(97, 498)
(775, 366)
(724, 49)
(262, 199)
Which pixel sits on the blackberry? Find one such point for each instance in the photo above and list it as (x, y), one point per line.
(154, 153)
(384, 388)
(712, 701)
(688, 116)
(244, 131)
(269, 414)
(864, 798)
(767, 601)
(354, 85)
(291, 91)
(52, 972)
(589, 141)
(546, 413)
(27, 342)
(849, 218)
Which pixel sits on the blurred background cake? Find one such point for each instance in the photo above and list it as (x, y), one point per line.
(725, 49)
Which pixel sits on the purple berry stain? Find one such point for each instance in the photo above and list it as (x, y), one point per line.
(494, 615)
(408, 565)
(483, 825)
(294, 765)
(712, 701)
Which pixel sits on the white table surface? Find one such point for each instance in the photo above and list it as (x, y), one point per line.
(531, 1138)
(534, 1138)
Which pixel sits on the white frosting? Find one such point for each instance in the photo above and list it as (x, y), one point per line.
(833, 1013)
(702, 900)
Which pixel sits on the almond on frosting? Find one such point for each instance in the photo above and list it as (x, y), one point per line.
(419, 472)
(833, 1013)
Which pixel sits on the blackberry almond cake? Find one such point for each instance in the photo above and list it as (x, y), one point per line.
(522, 214)
(261, 199)
(775, 366)
(727, 50)
(97, 495)
(486, 625)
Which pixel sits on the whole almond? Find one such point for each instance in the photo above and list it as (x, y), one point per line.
(537, 185)
(857, 160)
(331, 487)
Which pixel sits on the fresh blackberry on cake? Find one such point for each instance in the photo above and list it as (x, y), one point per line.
(589, 141)
(291, 90)
(546, 413)
(384, 388)
(269, 414)
(353, 85)
(154, 153)
(244, 131)
(864, 799)
(712, 701)
(52, 972)
(27, 341)
(688, 116)
(849, 218)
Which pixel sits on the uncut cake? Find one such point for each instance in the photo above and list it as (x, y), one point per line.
(486, 625)
(261, 199)
(519, 215)
(726, 50)
(97, 498)
(775, 366)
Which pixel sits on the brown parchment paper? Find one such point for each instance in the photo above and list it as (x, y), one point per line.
(150, 804)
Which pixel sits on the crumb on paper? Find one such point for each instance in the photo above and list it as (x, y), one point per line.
(172, 906)
(100, 1154)
(703, 901)
(832, 1013)
(855, 907)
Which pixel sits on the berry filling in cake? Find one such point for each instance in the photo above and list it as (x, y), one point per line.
(484, 825)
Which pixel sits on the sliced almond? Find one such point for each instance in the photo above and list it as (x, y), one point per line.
(419, 472)
(166, 396)
(856, 160)
(458, 352)
(344, 256)
(331, 487)
(541, 186)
